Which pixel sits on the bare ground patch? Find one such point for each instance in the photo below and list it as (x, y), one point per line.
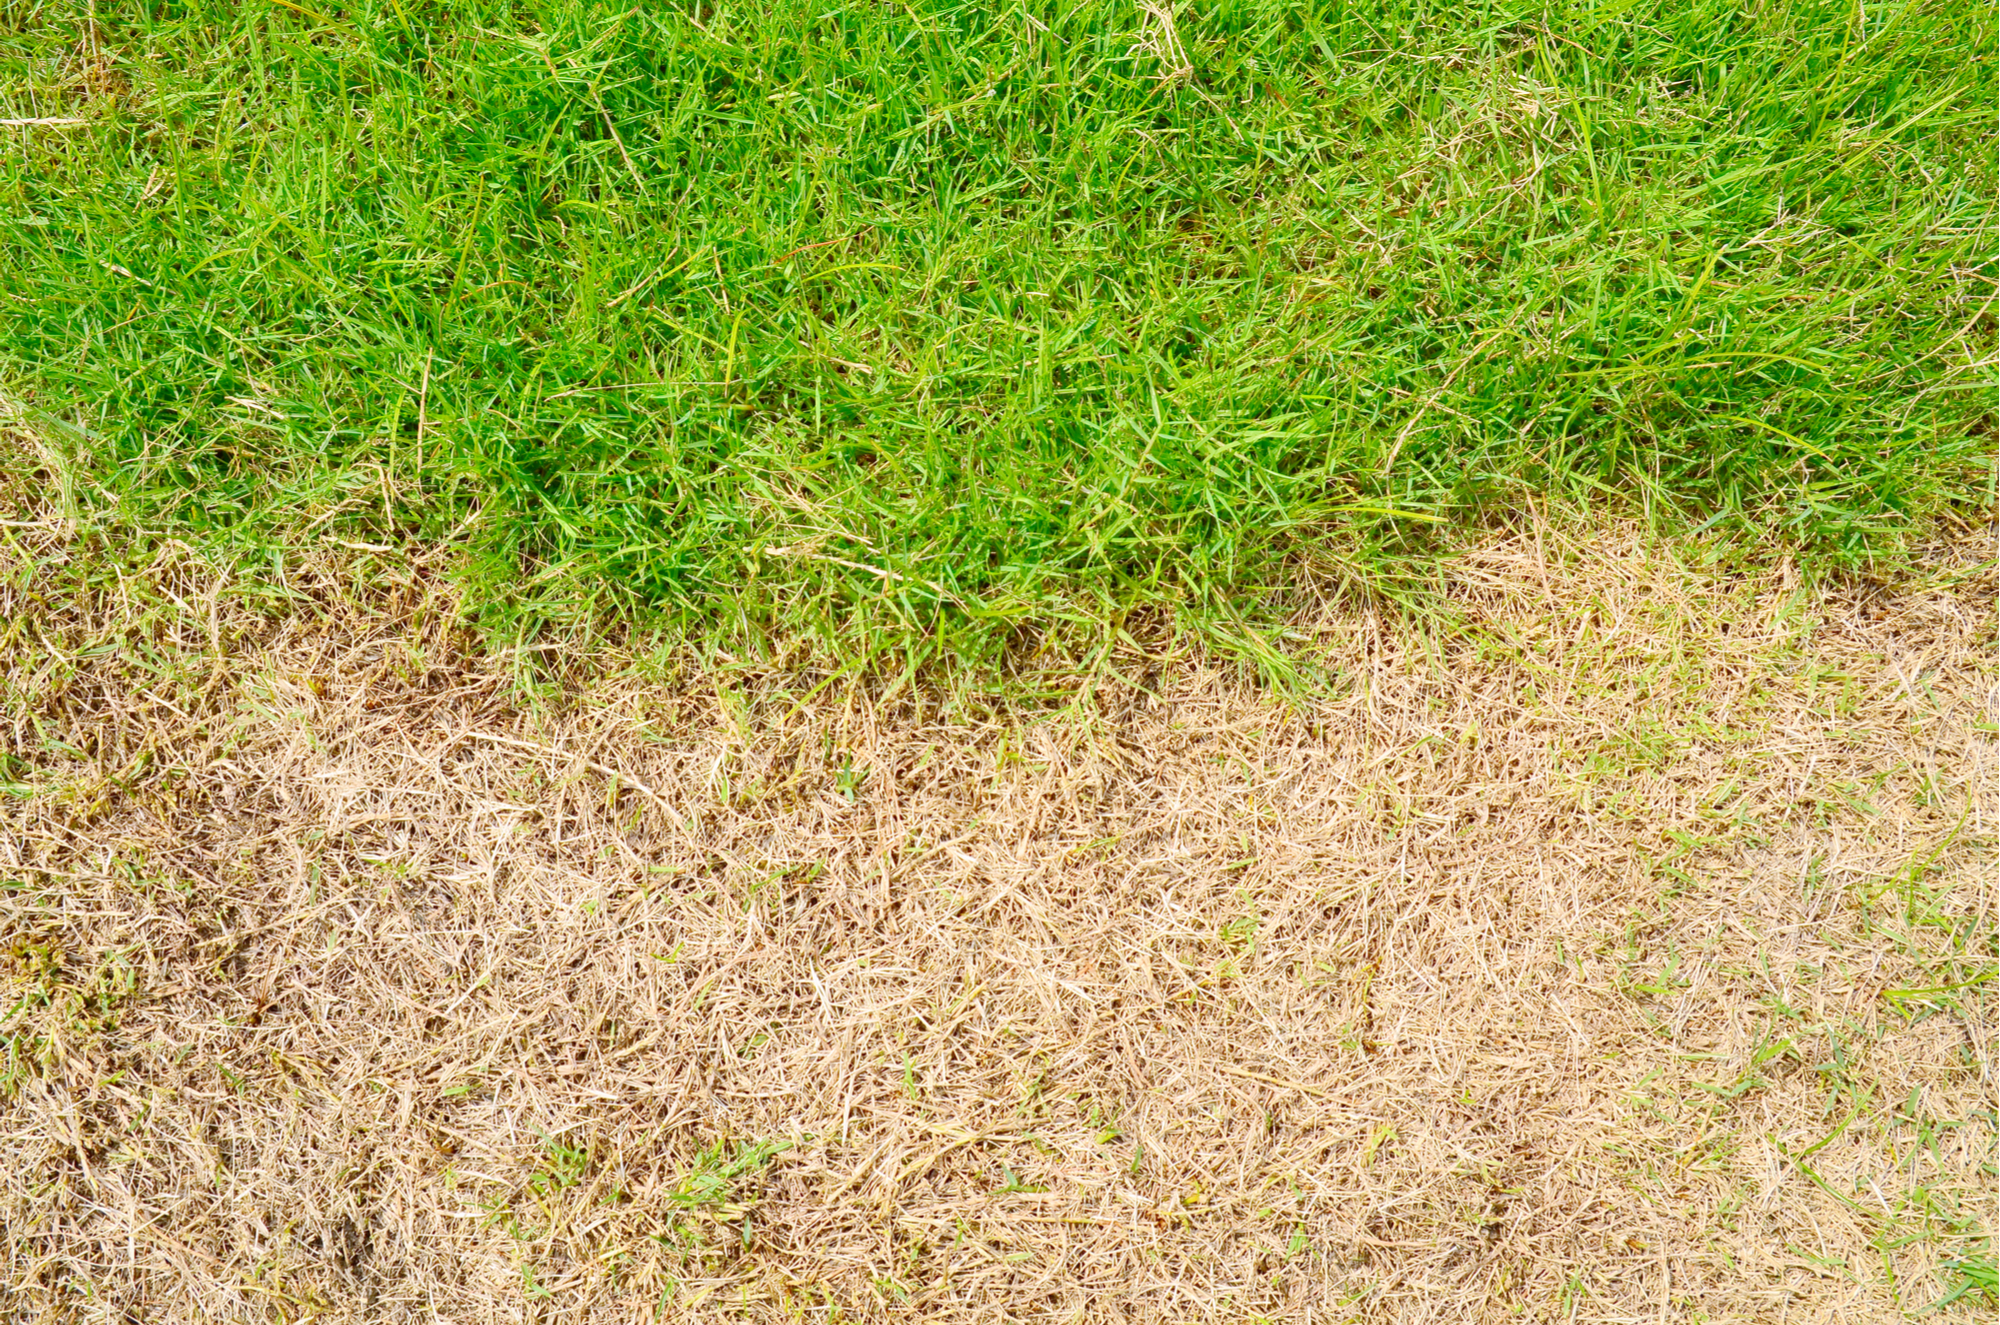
(1627, 957)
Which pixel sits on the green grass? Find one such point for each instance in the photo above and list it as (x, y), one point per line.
(914, 330)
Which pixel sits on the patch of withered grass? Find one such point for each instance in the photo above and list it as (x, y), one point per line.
(1625, 956)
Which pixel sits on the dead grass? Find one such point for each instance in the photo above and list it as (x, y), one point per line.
(1628, 959)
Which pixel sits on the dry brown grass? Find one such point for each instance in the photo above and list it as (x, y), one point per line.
(1610, 964)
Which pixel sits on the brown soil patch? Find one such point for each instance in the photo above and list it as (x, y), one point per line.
(1626, 957)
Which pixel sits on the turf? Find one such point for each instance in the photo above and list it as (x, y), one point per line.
(1632, 961)
(916, 330)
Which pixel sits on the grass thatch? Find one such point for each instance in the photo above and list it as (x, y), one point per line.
(1626, 957)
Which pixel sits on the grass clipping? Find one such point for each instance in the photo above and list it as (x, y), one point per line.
(1626, 958)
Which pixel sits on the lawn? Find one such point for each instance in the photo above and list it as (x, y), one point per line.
(623, 640)
(912, 332)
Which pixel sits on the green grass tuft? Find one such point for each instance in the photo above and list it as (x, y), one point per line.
(907, 329)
